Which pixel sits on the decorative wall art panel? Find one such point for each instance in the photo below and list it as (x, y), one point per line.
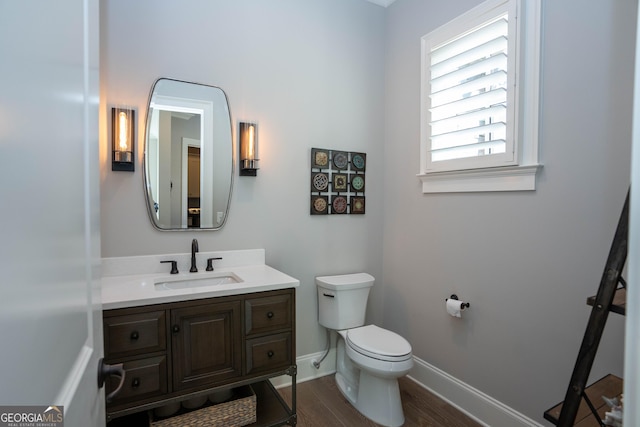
(337, 182)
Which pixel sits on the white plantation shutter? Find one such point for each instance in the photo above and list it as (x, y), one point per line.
(469, 93)
(480, 100)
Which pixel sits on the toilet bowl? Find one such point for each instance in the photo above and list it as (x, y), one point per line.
(380, 364)
(379, 351)
(369, 359)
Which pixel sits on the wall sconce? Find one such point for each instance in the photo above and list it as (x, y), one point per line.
(123, 139)
(248, 148)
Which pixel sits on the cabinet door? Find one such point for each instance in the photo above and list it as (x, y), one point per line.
(206, 344)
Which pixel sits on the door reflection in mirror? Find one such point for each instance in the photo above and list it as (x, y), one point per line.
(188, 156)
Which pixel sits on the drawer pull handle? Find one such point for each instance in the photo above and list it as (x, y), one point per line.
(135, 383)
(270, 314)
(135, 335)
(176, 329)
(270, 354)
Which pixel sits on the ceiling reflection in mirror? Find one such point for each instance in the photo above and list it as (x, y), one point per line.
(188, 156)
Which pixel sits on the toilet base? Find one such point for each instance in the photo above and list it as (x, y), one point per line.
(347, 374)
(379, 400)
(348, 390)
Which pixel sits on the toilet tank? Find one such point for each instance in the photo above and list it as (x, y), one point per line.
(342, 300)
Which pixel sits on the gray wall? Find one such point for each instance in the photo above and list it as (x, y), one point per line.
(311, 73)
(526, 261)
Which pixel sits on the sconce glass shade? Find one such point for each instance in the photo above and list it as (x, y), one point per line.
(248, 133)
(123, 139)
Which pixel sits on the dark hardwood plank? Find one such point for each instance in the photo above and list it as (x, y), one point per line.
(321, 404)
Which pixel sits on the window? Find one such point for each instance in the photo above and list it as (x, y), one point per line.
(479, 103)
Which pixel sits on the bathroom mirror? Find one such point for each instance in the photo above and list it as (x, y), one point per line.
(188, 156)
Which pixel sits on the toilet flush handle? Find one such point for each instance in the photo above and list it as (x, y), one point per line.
(329, 295)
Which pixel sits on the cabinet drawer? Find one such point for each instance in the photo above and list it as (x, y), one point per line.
(134, 334)
(268, 353)
(143, 378)
(268, 314)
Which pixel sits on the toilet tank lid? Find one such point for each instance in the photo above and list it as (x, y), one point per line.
(345, 281)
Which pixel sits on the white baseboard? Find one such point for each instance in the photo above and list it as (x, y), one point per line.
(482, 408)
(306, 370)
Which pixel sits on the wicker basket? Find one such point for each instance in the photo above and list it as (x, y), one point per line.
(239, 411)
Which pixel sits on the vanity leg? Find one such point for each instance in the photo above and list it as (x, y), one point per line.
(293, 371)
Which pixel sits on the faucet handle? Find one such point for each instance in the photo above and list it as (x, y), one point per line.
(210, 263)
(174, 266)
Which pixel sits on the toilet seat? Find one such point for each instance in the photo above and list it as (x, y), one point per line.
(375, 342)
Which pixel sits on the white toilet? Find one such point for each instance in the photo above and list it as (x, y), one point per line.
(369, 359)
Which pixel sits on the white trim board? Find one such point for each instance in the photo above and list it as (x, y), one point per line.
(477, 405)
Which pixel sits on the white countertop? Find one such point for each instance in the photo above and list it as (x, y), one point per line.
(121, 288)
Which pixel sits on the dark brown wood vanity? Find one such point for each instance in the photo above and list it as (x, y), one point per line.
(180, 350)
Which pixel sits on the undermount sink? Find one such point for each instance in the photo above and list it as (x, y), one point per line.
(197, 282)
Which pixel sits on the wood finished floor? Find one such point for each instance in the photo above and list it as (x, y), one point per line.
(320, 404)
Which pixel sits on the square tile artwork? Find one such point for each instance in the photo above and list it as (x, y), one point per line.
(337, 182)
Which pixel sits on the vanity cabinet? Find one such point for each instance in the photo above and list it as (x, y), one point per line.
(179, 350)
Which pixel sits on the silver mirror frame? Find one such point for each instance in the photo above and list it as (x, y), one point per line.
(146, 185)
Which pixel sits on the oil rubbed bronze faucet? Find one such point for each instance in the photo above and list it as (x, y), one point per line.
(194, 249)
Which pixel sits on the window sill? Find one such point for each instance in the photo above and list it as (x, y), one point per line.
(507, 178)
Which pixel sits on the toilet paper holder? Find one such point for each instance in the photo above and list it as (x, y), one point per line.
(463, 305)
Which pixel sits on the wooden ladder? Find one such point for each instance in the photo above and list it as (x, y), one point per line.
(611, 296)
